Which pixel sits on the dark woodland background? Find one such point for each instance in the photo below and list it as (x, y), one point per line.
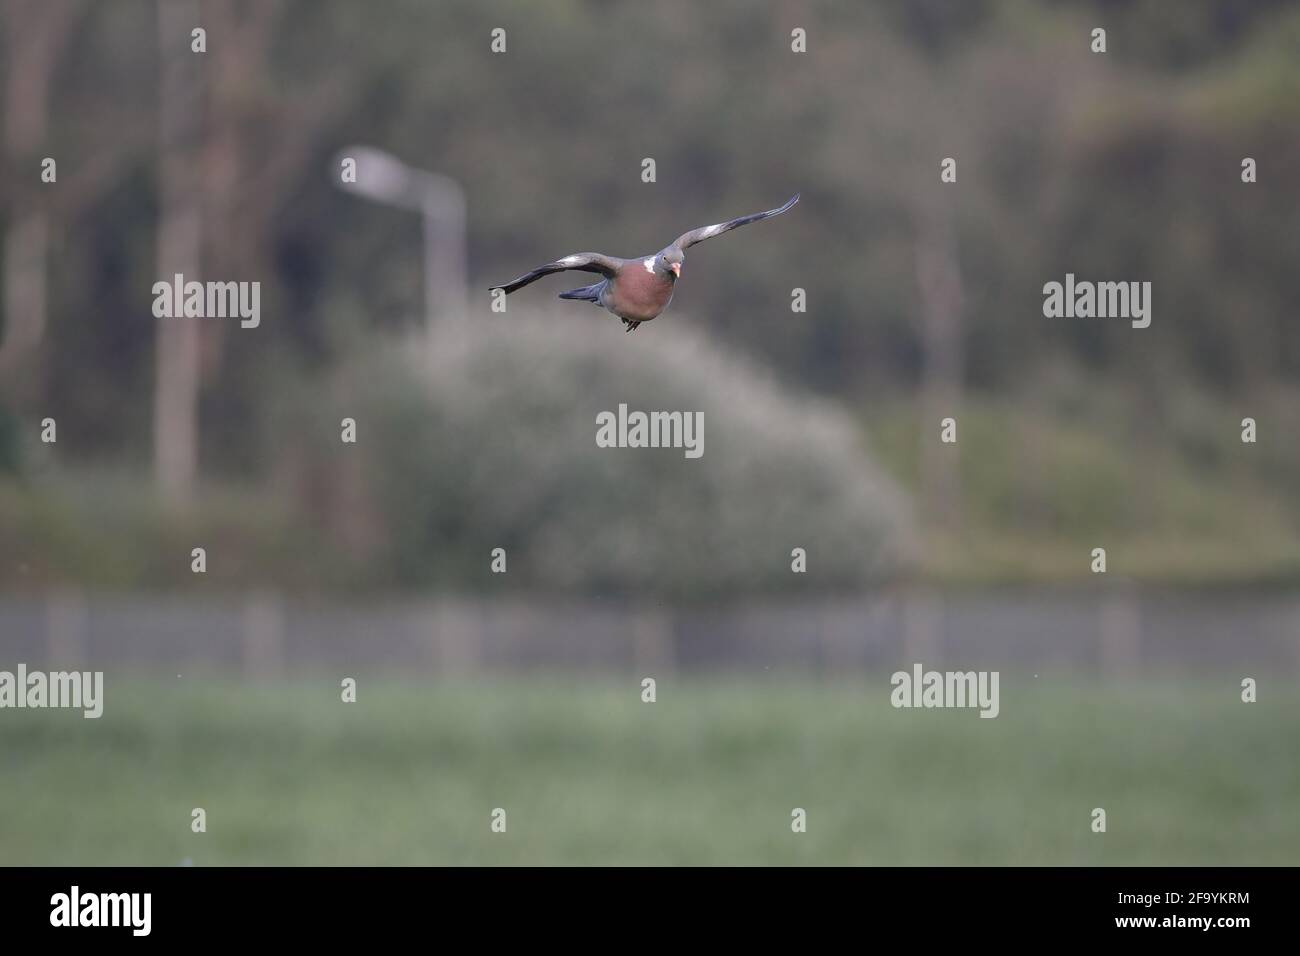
(924, 299)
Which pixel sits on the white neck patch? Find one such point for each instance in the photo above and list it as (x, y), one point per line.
(649, 265)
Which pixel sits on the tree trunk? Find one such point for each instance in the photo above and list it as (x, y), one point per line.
(180, 228)
(35, 35)
(939, 277)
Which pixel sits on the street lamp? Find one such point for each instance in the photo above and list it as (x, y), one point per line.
(384, 178)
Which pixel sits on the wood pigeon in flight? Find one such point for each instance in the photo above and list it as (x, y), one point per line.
(636, 290)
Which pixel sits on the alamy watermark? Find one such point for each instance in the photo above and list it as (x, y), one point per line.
(208, 300)
(75, 908)
(83, 690)
(1102, 300)
(922, 688)
(651, 430)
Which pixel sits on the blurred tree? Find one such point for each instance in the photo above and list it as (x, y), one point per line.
(938, 276)
(493, 444)
(179, 250)
(35, 35)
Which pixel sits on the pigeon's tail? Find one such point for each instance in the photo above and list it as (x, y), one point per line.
(588, 293)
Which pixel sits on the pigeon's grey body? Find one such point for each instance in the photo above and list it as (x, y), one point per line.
(636, 290)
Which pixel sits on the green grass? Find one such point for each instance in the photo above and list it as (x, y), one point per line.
(707, 775)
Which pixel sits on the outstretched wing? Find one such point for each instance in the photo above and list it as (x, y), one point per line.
(579, 262)
(708, 232)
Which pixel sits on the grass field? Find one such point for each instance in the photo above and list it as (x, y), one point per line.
(707, 775)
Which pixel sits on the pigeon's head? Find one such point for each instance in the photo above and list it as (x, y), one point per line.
(669, 262)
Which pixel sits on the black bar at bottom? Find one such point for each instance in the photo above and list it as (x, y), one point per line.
(331, 905)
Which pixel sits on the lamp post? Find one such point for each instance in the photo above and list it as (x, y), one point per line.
(440, 200)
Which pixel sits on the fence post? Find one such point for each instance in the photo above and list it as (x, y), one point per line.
(263, 635)
(1119, 631)
(65, 629)
(1294, 633)
(454, 635)
(652, 642)
(922, 620)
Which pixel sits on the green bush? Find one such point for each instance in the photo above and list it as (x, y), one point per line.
(486, 439)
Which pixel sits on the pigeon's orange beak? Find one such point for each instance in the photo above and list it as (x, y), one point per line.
(677, 269)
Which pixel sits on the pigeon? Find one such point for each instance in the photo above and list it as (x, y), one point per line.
(636, 290)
